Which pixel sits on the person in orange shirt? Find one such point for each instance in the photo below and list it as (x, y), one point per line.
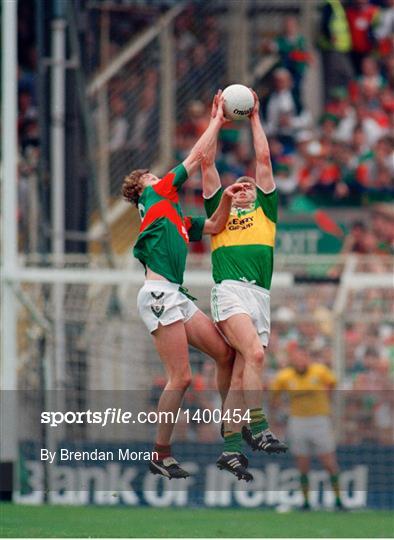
(308, 385)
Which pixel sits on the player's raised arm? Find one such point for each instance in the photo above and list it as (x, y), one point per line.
(208, 138)
(264, 176)
(216, 223)
(210, 176)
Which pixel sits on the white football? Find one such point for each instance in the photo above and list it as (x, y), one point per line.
(238, 101)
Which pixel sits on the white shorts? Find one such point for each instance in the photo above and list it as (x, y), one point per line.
(230, 298)
(160, 302)
(312, 435)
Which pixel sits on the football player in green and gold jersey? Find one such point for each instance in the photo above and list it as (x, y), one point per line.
(242, 264)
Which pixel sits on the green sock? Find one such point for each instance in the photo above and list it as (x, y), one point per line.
(304, 481)
(335, 487)
(258, 421)
(232, 442)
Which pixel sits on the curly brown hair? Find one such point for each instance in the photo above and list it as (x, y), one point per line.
(132, 186)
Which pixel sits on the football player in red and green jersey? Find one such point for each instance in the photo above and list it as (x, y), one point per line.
(169, 314)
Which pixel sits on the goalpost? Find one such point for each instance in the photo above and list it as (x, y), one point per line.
(9, 242)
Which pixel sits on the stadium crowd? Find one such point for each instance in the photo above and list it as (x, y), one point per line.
(346, 158)
(28, 128)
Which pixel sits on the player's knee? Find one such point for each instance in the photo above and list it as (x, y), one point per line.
(225, 357)
(181, 381)
(256, 357)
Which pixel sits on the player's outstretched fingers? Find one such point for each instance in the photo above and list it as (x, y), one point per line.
(256, 106)
(214, 109)
(234, 189)
(223, 117)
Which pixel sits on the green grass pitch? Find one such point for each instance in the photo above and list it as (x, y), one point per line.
(101, 522)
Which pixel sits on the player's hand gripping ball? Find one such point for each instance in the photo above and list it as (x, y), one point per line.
(238, 101)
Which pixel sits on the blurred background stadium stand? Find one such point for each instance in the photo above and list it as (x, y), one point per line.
(139, 79)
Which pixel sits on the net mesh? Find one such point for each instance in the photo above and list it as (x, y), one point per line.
(126, 119)
(128, 106)
(107, 347)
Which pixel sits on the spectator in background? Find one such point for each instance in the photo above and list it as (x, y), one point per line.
(370, 96)
(328, 125)
(339, 103)
(374, 377)
(27, 111)
(29, 136)
(293, 51)
(384, 30)
(363, 158)
(335, 45)
(383, 227)
(359, 143)
(363, 19)
(375, 170)
(388, 70)
(119, 129)
(145, 125)
(119, 132)
(370, 73)
(284, 115)
(27, 77)
(318, 176)
(277, 152)
(184, 90)
(360, 117)
(354, 241)
(343, 157)
(384, 154)
(196, 120)
(373, 107)
(216, 62)
(198, 76)
(286, 180)
(369, 245)
(303, 138)
(387, 103)
(185, 38)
